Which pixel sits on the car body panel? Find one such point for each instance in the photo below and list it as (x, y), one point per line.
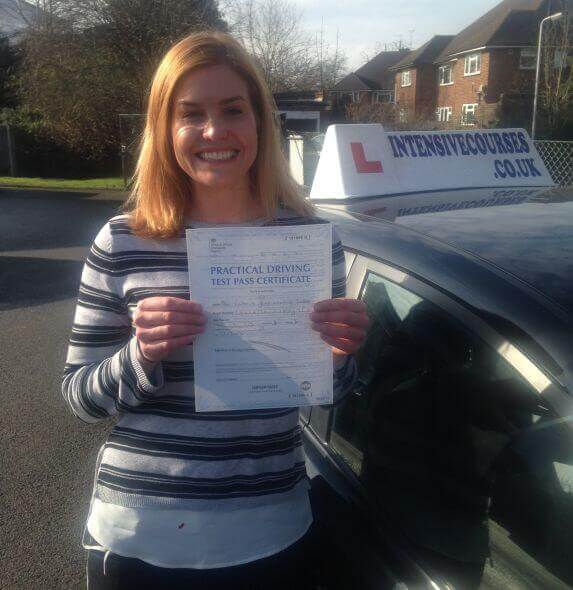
(516, 298)
(538, 325)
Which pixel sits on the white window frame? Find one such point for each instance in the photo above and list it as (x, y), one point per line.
(379, 96)
(526, 54)
(402, 115)
(472, 64)
(441, 73)
(466, 111)
(355, 96)
(444, 114)
(406, 79)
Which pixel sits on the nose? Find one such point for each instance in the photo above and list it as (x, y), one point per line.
(215, 128)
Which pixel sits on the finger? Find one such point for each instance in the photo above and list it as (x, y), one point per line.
(349, 318)
(150, 319)
(158, 350)
(345, 332)
(341, 304)
(169, 304)
(339, 345)
(167, 332)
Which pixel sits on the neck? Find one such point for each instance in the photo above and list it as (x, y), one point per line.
(222, 205)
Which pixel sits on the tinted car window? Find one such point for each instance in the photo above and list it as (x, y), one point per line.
(457, 449)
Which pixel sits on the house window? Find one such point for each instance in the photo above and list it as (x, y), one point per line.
(472, 64)
(528, 59)
(469, 114)
(355, 96)
(383, 96)
(444, 114)
(403, 116)
(446, 75)
(407, 78)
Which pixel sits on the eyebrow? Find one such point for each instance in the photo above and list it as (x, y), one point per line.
(223, 102)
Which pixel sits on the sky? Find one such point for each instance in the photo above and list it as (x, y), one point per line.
(362, 24)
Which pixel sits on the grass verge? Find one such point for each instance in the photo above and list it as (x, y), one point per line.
(56, 183)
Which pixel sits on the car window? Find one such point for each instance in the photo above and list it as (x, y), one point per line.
(453, 445)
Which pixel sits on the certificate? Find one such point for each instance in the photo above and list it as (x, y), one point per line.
(257, 286)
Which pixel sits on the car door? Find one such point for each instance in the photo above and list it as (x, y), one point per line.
(349, 259)
(450, 445)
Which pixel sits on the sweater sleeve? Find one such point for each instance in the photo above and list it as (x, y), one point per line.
(345, 376)
(102, 375)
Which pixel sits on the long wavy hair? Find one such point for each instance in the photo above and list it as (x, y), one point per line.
(162, 192)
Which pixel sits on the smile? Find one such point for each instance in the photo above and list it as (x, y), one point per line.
(218, 156)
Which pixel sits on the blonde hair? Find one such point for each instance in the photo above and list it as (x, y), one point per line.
(161, 191)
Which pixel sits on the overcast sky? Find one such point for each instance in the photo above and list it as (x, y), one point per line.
(364, 23)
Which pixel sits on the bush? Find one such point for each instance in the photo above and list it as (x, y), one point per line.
(39, 153)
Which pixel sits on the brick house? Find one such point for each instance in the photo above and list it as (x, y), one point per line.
(373, 82)
(485, 75)
(415, 80)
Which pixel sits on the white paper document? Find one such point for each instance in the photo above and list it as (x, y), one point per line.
(257, 286)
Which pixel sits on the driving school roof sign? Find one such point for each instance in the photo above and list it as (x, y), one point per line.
(364, 160)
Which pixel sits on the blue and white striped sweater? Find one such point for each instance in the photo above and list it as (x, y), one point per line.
(161, 452)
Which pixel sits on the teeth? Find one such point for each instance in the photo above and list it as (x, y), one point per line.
(218, 155)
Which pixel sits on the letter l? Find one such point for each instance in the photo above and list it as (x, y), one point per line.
(363, 166)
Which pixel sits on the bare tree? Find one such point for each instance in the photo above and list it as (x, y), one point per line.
(271, 31)
(331, 62)
(556, 96)
(372, 112)
(289, 57)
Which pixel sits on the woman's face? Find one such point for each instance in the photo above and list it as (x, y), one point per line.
(214, 129)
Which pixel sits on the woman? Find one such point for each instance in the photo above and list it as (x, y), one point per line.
(183, 499)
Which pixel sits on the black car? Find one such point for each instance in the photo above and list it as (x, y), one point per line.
(450, 465)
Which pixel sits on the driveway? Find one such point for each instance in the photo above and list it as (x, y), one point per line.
(47, 455)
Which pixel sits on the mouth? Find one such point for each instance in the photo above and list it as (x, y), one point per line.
(218, 156)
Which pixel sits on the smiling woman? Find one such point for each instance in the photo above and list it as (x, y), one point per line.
(186, 122)
(215, 137)
(185, 499)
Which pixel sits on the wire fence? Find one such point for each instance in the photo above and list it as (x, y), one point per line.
(558, 157)
(305, 148)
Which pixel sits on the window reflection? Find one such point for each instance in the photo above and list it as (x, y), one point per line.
(458, 449)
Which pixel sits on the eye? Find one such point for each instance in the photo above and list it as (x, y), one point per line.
(191, 115)
(234, 111)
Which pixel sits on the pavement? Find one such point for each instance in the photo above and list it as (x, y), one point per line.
(47, 455)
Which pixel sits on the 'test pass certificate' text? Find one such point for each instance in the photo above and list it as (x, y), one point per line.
(257, 286)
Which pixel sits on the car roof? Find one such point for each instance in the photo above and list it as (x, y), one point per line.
(511, 263)
(527, 233)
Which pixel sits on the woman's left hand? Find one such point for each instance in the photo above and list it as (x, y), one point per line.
(342, 323)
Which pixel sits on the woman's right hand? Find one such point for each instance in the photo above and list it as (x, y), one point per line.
(164, 324)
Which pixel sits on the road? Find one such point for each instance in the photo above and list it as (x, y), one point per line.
(48, 455)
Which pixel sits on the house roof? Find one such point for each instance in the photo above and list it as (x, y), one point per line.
(351, 82)
(511, 22)
(425, 54)
(373, 75)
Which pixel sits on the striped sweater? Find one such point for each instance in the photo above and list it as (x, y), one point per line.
(161, 452)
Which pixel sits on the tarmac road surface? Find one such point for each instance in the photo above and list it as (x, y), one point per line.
(47, 455)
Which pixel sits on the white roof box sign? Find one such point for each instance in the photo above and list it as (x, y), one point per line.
(365, 160)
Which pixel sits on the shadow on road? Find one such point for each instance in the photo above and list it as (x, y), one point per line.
(35, 220)
(33, 281)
